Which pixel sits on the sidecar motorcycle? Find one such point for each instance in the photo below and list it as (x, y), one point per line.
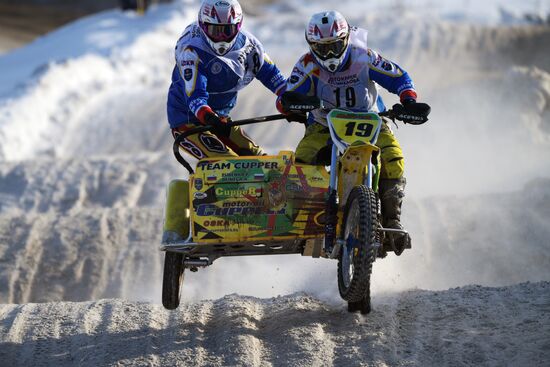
(270, 205)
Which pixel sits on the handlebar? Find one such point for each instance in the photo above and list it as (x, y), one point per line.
(391, 113)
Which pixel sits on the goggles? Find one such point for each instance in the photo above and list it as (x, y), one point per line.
(327, 50)
(221, 32)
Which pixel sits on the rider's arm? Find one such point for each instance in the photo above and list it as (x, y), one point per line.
(391, 76)
(192, 73)
(303, 78)
(270, 76)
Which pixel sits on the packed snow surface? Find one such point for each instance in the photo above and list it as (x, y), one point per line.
(473, 326)
(85, 155)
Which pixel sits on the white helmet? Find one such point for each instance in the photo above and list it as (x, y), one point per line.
(220, 21)
(328, 36)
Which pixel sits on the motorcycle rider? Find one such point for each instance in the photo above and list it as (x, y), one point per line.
(342, 71)
(215, 59)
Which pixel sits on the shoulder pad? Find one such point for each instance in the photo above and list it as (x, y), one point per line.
(189, 53)
(192, 31)
(307, 62)
(253, 40)
(358, 38)
(382, 65)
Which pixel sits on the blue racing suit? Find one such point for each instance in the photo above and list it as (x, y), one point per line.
(203, 78)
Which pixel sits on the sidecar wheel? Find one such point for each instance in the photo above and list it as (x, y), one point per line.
(176, 227)
(359, 230)
(172, 280)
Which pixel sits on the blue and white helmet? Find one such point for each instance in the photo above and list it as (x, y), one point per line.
(220, 21)
(328, 37)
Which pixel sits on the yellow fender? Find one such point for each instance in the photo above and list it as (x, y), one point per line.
(353, 168)
(176, 214)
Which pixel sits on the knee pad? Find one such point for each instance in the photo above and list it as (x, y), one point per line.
(393, 162)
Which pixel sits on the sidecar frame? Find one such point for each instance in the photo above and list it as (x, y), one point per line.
(290, 195)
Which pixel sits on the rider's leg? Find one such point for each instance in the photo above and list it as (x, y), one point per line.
(393, 161)
(312, 148)
(241, 143)
(206, 144)
(392, 183)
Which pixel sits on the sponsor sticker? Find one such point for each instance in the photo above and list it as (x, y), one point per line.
(238, 192)
(200, 195)
(216, 223)
(387, 66)
(188, 74)
(208, 165)
(212, 143)
(216, 68)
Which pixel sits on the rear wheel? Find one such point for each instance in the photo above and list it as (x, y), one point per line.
(359, 230)
(176, 228)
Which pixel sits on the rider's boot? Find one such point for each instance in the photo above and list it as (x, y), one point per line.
(392, 192)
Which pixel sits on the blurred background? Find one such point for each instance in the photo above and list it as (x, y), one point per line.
(21, 21)
(85, 149)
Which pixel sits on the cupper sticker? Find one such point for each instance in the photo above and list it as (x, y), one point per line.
(261, 198)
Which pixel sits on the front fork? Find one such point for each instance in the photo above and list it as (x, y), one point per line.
(331, 210)
(332, 244)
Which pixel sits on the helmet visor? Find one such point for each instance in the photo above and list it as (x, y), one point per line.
(327, 50)
(221, 32)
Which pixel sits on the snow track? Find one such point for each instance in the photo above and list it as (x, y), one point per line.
(95, 253)
(463, 326)
(85, 157)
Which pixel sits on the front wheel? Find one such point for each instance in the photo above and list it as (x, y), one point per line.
(359, 249)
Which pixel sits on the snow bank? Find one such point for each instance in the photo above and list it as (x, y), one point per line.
(85, 65)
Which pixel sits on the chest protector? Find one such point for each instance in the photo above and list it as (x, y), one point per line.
(350, 88)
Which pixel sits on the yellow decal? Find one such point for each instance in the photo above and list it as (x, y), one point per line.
(268, 59)
(188, 66)
(353, 127)
(244, 199)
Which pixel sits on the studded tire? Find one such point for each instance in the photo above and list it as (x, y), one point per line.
(359, 231)
(172, 280)
(176, 220)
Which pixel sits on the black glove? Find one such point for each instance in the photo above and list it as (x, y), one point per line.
(219, 126)
(411, 112)
(296, 117)
(300, 103)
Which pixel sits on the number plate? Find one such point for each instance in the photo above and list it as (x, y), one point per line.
(353, 127)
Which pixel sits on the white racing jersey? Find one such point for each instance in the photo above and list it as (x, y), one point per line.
(354, 87)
